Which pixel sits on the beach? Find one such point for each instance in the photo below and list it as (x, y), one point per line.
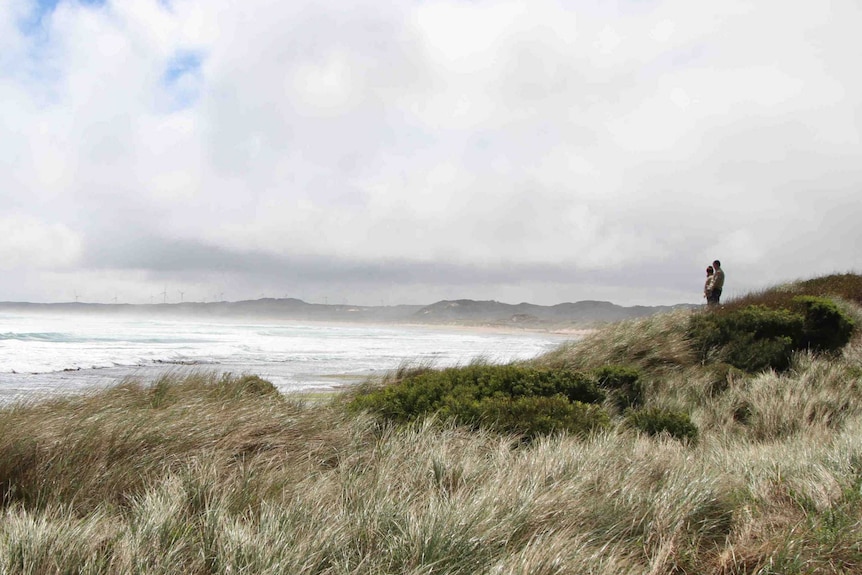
(49, 354)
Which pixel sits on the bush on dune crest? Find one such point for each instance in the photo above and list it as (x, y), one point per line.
(753, 338)
(756, 337)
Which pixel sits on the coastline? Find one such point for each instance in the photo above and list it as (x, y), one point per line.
(296, 356)
(497, 328)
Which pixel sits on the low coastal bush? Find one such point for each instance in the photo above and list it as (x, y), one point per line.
(492, 395)
(654, 421)
(533, 416)
(825, 327)
(623, 384)
(752, 338)
(755, 337)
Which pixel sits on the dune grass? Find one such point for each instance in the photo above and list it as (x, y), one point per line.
(220, 474)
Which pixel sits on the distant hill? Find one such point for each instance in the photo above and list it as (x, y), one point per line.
(582, 312)
(455, 312)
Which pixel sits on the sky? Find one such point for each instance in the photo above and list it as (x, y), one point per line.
(381, 153)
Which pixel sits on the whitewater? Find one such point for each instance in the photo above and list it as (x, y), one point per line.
(43, 354)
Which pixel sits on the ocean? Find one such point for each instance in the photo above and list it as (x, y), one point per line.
(43, 355)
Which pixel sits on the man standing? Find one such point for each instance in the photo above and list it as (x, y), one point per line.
(717, 283)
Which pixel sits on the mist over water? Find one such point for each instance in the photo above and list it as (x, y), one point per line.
(50, 354)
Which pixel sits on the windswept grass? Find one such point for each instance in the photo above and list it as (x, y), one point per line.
(655, 344)
(439, 499)
(210, 474)
(845, 287)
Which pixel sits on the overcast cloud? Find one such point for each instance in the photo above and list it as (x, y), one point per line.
(405, 152)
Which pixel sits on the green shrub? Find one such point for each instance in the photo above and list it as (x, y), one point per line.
(403, 400)
(452, 389)
(493, 395)
(756, 337)
(752, 338)
(623, 385)
(753, 354)
(825, 328)
(533, 416)
(654, 421)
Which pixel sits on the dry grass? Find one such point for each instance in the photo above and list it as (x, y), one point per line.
(202, 484)
(655, 344)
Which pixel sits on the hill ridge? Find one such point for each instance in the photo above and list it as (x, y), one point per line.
(460, 311)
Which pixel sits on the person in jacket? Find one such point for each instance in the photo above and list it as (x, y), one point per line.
(717, 283)
(708, 285)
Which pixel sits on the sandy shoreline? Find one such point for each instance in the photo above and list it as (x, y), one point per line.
(578, 332)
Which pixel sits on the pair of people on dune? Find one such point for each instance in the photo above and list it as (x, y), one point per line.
(714, 283)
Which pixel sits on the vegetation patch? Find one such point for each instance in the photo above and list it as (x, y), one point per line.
(756, 337)
(654, 421)
(246, 385)
(846, 287)
(718, 377)
(825, 327)
(514, 398)
(623, 385)
(535, 416)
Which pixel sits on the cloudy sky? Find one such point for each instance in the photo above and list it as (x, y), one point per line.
(376, 152)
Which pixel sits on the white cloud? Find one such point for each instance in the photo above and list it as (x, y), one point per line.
(29, 243)
(602, 140)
